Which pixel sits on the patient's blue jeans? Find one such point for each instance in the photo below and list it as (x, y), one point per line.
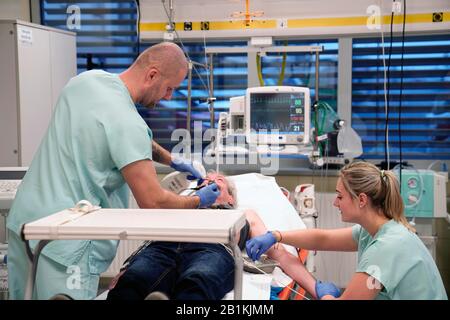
(183, 271)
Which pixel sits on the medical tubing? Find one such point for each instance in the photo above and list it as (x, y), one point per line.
(316, 126)
(263, 272)
(321, 105)
(433, 163)
(258, 67)
(183, 47)
(282, 71)
(279, 282)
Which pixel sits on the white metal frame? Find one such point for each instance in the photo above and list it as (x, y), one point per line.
(205, 226)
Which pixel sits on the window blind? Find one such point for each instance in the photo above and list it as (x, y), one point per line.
(106, 34)
(425, 108)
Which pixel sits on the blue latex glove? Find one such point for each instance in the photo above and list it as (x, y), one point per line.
(258, 245)
(324, 288)
(184, 165)
(208, 195)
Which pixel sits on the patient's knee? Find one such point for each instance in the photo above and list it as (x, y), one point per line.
(205, 284)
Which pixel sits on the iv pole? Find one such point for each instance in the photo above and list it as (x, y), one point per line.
(189, 97)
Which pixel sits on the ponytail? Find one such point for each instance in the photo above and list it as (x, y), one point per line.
(393, 206)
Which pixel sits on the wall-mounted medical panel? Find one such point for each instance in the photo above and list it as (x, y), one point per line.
(289, 18)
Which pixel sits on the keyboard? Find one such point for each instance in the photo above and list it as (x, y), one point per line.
(8, 189)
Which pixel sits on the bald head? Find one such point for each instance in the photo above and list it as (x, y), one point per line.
(166, 56)
(155, 74)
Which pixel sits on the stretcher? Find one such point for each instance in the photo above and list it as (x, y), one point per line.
(181, 225)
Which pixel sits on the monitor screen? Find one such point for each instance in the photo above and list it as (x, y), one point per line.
(282, 111)
(278, 114)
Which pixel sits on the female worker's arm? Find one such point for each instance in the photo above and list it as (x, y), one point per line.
(143, 182)
(361, 287)
(320, 239)
(294, 268)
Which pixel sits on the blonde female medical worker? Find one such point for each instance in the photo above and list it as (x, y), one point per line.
(393, 263)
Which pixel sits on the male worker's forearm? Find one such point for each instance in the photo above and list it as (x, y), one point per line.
(161, 155)
(170, 200)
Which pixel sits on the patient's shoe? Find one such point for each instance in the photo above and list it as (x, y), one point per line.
(157, 295)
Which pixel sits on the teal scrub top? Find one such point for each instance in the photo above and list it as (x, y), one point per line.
(95, 131)
(399, 260)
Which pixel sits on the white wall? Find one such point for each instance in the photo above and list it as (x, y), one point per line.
(15, 9)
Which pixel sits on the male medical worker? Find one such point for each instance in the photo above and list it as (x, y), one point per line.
(96, 146)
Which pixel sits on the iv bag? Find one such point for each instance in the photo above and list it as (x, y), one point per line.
(349, 142)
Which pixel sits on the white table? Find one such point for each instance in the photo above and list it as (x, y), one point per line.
(180, 225)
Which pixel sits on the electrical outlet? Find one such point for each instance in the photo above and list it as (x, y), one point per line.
(188, 26)
(204, 25)
(438, 16)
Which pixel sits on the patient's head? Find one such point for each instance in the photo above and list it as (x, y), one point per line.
(227, 188)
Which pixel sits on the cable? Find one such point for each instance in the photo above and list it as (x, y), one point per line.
(386, 126)
(182, 46)
(384, 71)
(401, 94)
(206, 63)
(280, 283)
(138, 28)
(433, 163)
(263, 272)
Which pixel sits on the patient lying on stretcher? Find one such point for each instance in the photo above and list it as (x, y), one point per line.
(198, 271)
